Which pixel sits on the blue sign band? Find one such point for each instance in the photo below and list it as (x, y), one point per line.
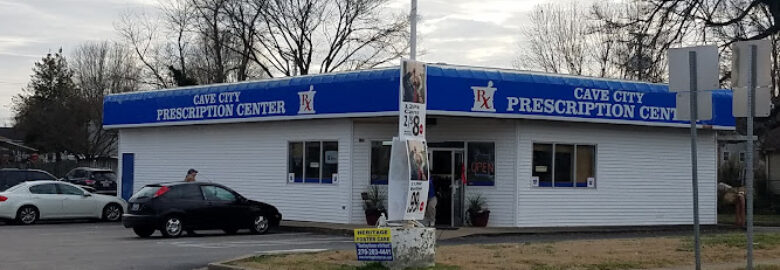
(457, 91)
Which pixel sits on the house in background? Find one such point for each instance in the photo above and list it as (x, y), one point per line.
(731, 148)
(770, 149)
(13, 152)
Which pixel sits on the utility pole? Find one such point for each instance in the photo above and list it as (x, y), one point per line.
(413, 30)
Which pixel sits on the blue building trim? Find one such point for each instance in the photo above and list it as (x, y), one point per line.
(452, 90)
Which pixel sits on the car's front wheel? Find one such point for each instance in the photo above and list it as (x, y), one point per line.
(112, 212)
(27, 215)
(143, 232)
(172, 227)
(260, 224)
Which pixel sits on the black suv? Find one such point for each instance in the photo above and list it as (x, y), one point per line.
(12, 177)
(187, 206)
(102, 180)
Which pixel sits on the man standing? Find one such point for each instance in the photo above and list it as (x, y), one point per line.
(430, 211)
(191, 173)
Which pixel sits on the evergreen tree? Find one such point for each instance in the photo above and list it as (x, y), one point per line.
(47, 109)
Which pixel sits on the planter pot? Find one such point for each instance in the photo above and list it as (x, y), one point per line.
(372, 216)
(480, 219)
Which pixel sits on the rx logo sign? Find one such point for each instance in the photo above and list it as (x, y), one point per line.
(483, 98)
(306, 101)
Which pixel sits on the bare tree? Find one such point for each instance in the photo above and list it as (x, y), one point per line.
(556, 39)
(140, 32)
(214, 41)
(640, 52)
(293, 36)
(603, 41)
(667, 23)
(179, 18)
(99, 69)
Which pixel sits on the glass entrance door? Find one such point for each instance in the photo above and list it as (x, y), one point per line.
(447, 177)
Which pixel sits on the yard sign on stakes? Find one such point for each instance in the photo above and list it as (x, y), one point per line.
(751, 72)
(692, 69)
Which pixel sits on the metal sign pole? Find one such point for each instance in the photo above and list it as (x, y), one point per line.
(749, 155)
(694, 165)
(413, 30)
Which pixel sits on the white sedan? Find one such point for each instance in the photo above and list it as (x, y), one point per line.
(31, 201)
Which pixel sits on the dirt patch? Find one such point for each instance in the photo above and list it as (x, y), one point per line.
(634, 253)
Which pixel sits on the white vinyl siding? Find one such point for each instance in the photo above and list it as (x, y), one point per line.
(250, 158)
(643, 176)
(642, 173)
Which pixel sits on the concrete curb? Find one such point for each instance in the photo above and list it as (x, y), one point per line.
(533, 231)
(322, 230)
(224, 265)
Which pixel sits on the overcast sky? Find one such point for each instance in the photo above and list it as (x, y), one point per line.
(469, 32)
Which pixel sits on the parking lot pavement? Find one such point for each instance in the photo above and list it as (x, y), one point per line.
(110, 246)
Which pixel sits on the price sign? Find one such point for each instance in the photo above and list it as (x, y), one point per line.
(413, 121)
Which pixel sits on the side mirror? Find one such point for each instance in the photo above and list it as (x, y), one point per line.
(87, 194)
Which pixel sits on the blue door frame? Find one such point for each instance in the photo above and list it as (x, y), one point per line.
(128, 175)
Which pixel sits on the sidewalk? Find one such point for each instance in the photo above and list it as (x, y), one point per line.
(453, 233)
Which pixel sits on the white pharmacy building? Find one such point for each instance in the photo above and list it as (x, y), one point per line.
(544, 150)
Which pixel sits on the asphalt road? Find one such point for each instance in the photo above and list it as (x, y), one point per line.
(110, 246)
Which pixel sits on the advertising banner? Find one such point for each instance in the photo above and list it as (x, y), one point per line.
(373, 244)
(417, 195)
(408, 183)
(413, 97)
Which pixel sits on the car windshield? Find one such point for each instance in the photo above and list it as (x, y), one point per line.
(145, 192)
(102, 176)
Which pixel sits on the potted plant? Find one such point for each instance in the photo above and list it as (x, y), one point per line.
(477, 211)
(373, 204)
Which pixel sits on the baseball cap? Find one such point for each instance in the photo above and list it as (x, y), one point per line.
(192, 171)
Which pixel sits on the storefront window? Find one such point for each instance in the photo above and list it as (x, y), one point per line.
(564, 165)
(542, 164)
(295, 161)
(380, 162)
(313, 164)
(313, 161)
(330, 161)
(481, 159)
(586, 164)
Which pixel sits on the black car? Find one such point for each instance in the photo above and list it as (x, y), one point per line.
(187, 206)
(103, 181)
(11, 177)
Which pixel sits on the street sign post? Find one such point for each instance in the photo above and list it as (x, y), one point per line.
(691, 70)
(750, 72)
